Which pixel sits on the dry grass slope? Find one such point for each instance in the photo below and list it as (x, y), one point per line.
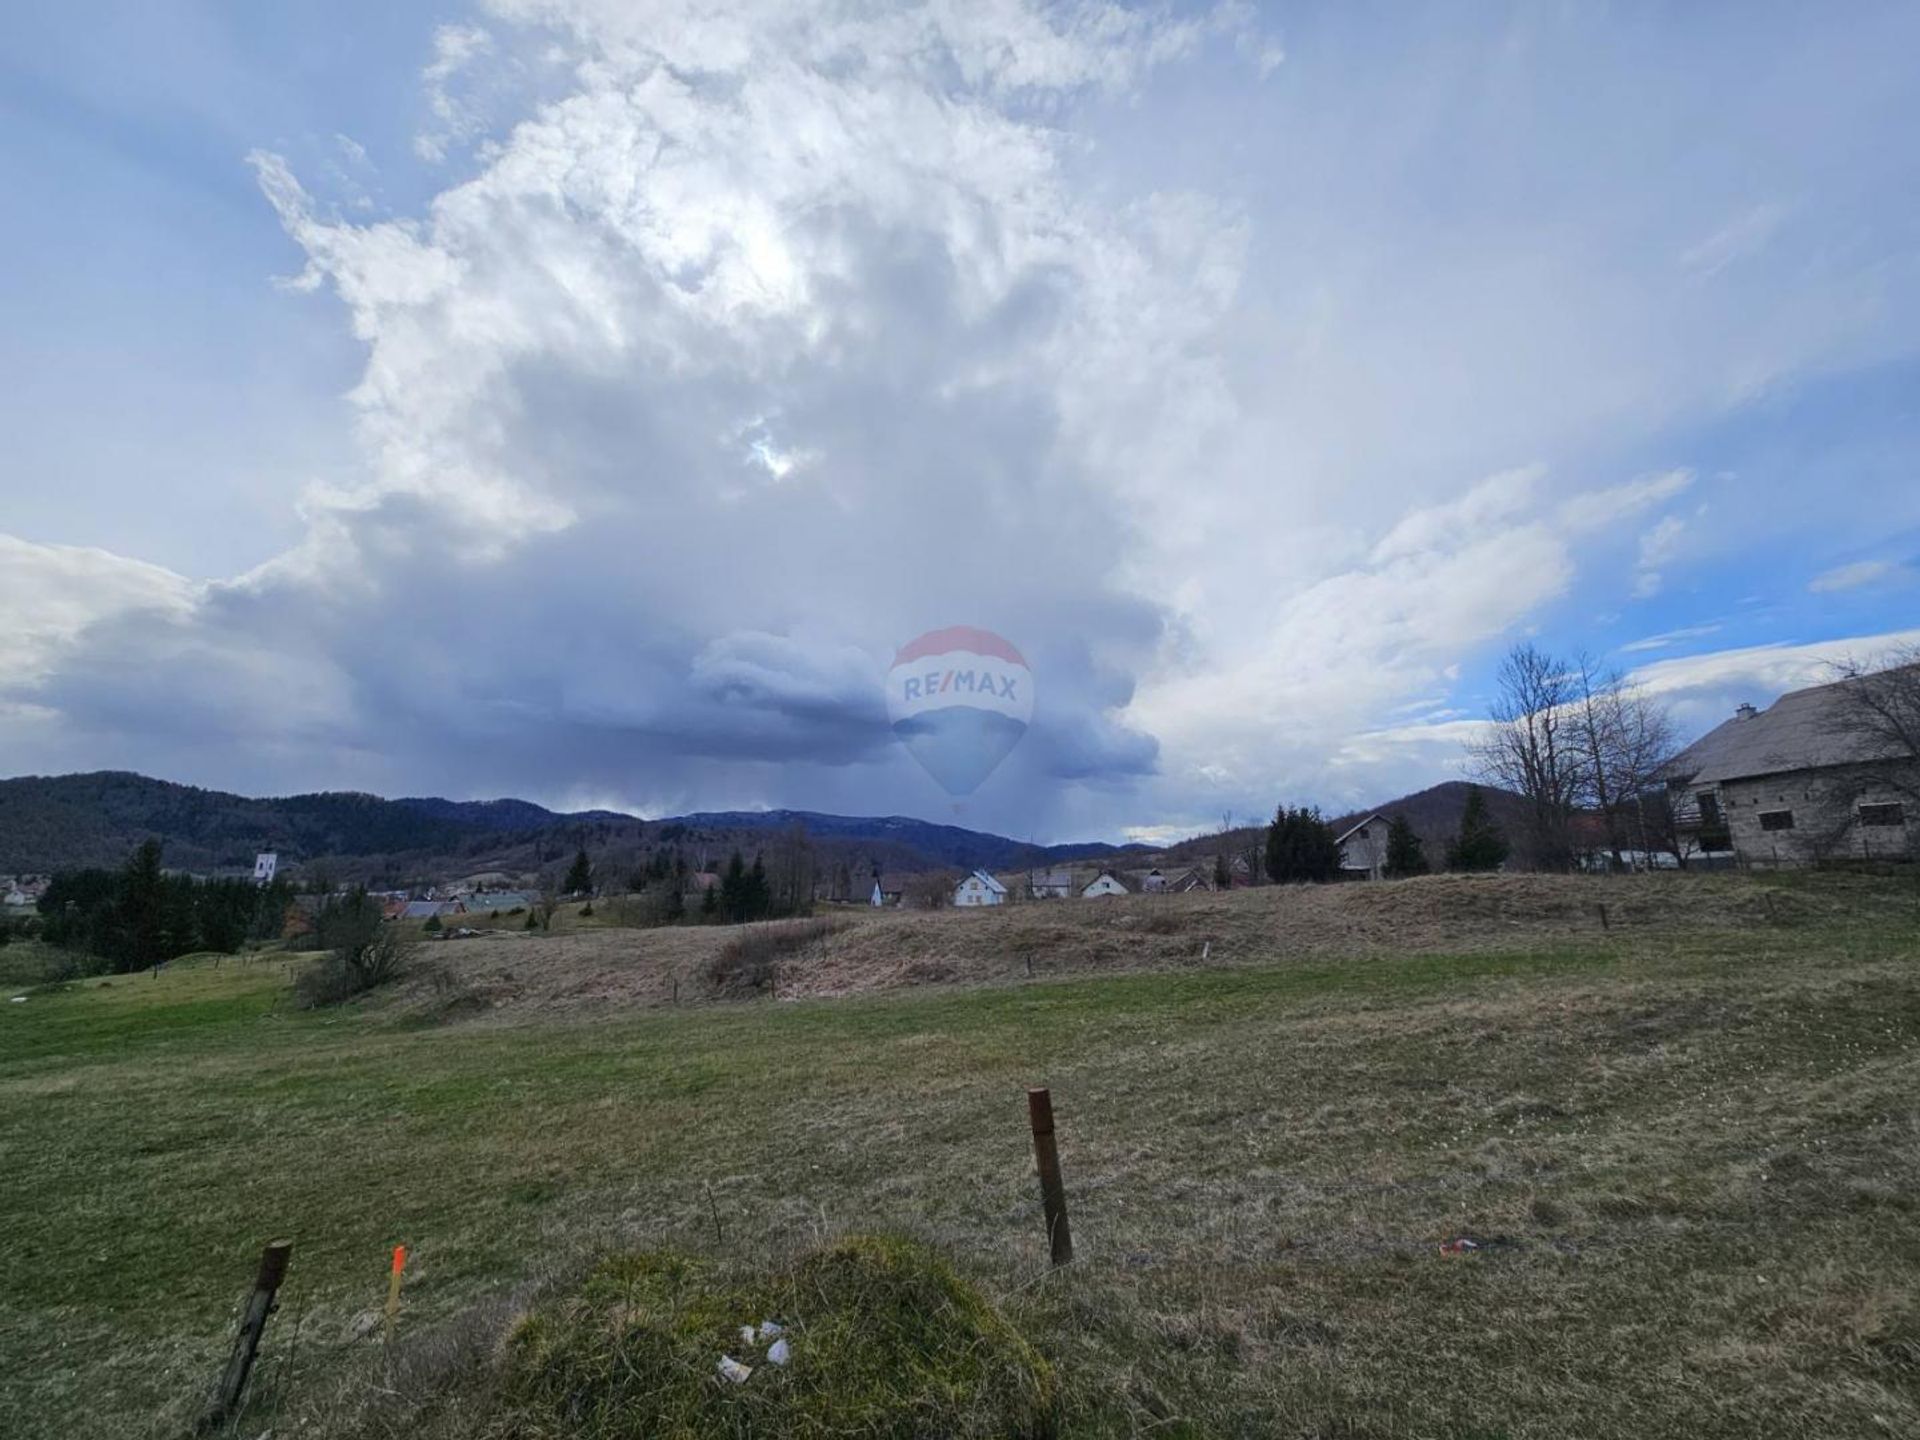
(855, 951)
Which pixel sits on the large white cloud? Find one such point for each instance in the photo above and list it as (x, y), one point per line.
(740, 343)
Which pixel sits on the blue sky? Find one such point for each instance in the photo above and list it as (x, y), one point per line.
(582, 400)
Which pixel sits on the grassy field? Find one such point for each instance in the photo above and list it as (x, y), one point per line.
(1690, 1156)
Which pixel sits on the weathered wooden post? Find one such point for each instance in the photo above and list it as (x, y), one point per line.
(1603, 918)
(1053, 1192)
(246, 1344)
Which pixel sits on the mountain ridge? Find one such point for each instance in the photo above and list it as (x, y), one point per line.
(63, 822)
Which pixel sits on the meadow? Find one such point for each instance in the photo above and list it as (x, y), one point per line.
(1683, 1137)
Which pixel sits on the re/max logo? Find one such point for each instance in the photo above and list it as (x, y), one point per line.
(925, 687)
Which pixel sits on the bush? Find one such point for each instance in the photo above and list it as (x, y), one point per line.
(363, 952)
(745, 964)
(885, 1340)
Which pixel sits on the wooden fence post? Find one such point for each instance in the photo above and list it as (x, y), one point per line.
(1053, 1192)
(246, 1344)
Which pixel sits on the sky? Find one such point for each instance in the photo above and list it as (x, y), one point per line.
(585, 400)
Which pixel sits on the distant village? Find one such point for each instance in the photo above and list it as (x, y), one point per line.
(1803, 781)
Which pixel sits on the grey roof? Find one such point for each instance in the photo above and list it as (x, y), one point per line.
(1802, 730)
(1357, 826)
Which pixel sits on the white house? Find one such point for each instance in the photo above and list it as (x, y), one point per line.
(979, 888)
(1105, 883)
(264, 864)
(879, 897)
(1363, 849)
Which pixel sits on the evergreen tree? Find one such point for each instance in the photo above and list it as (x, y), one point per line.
(1480, 845)
(579, 876)
(733, 890)
(1405, 853)
(1301, 846)
(759, 893)
(141, 927)
(1222, 872)
(433, 925)
(270, 909)
(709, 903)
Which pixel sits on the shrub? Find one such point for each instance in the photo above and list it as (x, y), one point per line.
(885, 1339)
(363, 952)
(746, 962)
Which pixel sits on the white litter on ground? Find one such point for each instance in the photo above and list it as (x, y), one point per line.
(732, 1369)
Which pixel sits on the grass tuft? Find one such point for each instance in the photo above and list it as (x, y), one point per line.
(885, 1340)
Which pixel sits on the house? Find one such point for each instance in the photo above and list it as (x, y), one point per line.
(1792, 784)
(490, 901)
(22, 892)
(1363, 849)
(1186, 882)
(979, 888)
(1105, 883)
(1049, 884)
(425, 909)
(1152, 883)
(264, 866)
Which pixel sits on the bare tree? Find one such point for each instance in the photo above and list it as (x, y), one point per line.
(1878, 710)
(930, 889)
(1624, 737)
(1532, 751)
(791, 874)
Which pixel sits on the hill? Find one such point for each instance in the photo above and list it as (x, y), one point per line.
(65, 822)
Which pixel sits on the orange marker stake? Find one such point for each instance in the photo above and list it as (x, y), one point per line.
(393, 1287)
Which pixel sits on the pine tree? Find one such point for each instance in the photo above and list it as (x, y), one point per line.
(733, 890)
(1480, 845)
(1222, 872)
(1405, 853)
(1301, 846)
(141, 918)
(709, 903)
(580, 875)
(759, 893)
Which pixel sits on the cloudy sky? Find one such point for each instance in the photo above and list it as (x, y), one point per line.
(585, 399)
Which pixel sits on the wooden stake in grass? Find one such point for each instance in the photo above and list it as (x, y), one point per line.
(393, 1288)
(246, 1344)
(1053, 1191)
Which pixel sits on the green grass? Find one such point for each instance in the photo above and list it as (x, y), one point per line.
(1692, 1161)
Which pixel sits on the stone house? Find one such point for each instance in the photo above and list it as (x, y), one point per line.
(1791, 784)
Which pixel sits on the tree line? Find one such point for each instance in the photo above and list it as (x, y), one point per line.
(139, 915)
(1301, 847)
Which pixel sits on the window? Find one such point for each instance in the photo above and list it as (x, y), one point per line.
(1776, 819)
(1709, 808)
(1883, 815)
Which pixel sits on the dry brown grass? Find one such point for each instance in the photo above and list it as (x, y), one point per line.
(512, 973)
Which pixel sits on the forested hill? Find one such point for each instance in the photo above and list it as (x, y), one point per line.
(63, 822)
(50, 823)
